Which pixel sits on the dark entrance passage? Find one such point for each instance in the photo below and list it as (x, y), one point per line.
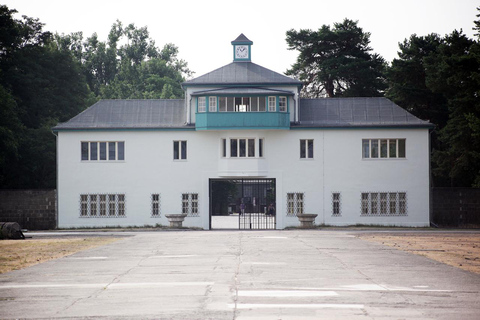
(242, 204)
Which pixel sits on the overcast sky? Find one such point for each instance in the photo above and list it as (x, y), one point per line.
(204, 29)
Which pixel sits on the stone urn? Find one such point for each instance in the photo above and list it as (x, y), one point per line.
(175, 220)
(307, 220)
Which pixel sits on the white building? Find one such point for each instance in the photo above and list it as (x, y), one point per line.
(242, 140)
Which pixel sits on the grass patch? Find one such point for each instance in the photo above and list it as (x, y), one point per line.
(19, 254)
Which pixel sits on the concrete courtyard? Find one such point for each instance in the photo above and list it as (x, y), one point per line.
(294, 274)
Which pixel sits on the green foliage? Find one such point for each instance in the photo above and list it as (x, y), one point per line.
(46, 79)
(40, 86)
(336, 62)
(438, 79)
(128, 65)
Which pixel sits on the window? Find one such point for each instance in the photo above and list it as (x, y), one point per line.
(282, 104)
(212, 104)
(295, 203)
(102, 205)
(384, 203)
(180, 150)
(336, 203)
(190, 204)
(383, 148)
(155, 204)
(306, 149)
(272, 104)
(202, 104)
(103, 151)
(242, 148)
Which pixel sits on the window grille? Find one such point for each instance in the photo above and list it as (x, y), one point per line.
(295, 203)
(383, 203)
(102, 205)
(190, 204)
(155, 198)
(336, 203)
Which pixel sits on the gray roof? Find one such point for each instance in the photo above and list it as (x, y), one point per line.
(121, 114)
(243, 91)
(242, 39)
(355, 112)
(242, 73)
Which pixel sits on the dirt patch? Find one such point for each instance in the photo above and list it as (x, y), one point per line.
(18, 254)
(455, 249)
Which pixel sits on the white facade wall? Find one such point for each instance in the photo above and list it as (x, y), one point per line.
(337, 166)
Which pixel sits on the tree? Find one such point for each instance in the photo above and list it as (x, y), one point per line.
(336, 61)
(454, 71)
(137, 69)
(40, 86)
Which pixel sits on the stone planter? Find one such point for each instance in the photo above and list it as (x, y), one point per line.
(176, 220)
(307, 220)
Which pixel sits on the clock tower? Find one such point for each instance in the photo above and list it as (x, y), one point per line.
(242, 49)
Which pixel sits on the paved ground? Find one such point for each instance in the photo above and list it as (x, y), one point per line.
(295, 274)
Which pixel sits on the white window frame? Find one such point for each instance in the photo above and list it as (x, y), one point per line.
(104, 205)
(384, 203)
(190, 204)
(180, 149)
(336, 204)
(272, 104)
(201, 104)
(155, 205)
(304, 153)
(212, 104)
(295, 203)
(87, 154)
(253, 150)
(372, 148)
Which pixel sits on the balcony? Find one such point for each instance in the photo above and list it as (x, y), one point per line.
(242, 120)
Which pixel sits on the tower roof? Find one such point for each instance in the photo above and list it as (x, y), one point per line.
(241, 39)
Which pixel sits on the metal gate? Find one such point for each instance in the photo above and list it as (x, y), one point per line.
(252, 200)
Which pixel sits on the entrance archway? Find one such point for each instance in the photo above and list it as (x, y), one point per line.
(242, 204)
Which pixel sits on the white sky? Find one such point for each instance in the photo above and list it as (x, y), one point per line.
(204, 29)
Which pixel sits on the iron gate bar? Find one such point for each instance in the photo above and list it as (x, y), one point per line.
(250, 198)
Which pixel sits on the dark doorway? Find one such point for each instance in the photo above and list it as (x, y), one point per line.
(242, 204)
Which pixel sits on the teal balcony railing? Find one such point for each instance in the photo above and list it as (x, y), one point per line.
(242, 120)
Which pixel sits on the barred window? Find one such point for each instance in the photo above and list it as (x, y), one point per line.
(295, 203)
(336, 203)
(190, 204)
(102, 150)
(102, 205)
(384, 203)
(155, 205)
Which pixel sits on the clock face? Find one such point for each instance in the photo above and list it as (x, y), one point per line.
(241, 52)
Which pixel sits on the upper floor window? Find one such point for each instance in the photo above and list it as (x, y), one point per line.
(212, 104)
(282, 104)
(179, 150)
(383, 148)
(306, 149)
(272, 104)
(202, 104)
(242, 148)
(103, 151)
